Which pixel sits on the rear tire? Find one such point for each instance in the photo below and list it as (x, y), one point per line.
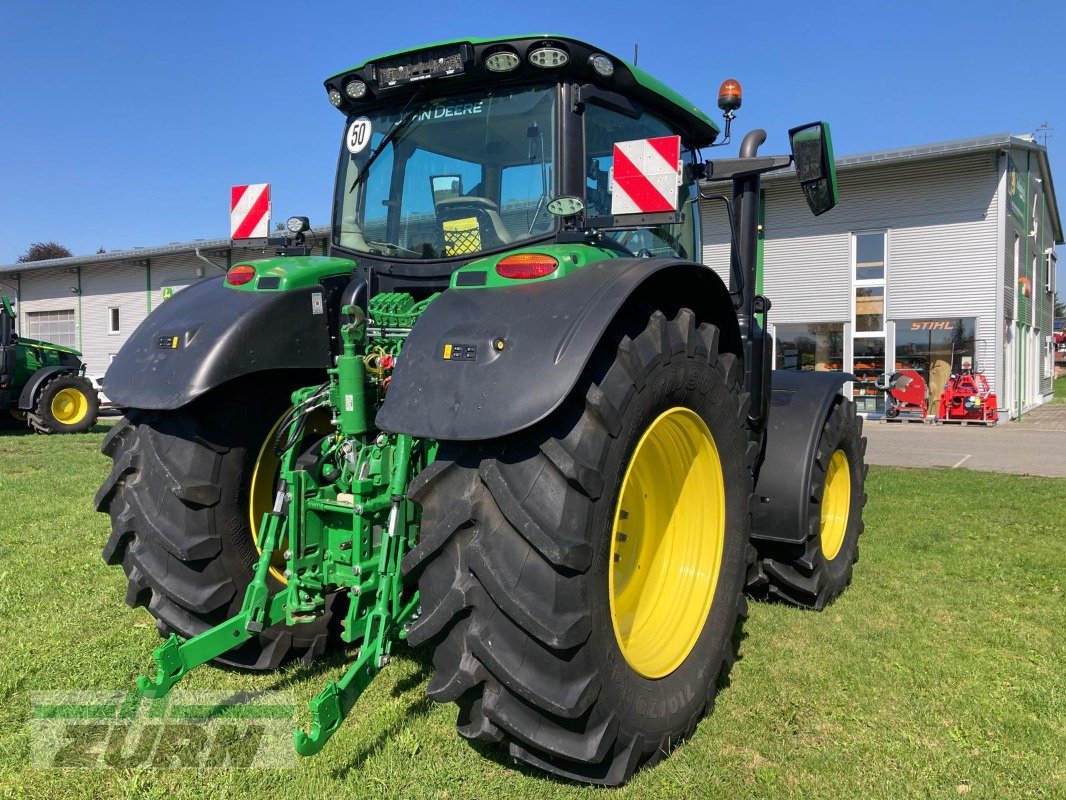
(814, 573)
(67, 403)
(516, 549)
(178, 499)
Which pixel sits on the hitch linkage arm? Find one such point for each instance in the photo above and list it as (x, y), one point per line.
(175, 658)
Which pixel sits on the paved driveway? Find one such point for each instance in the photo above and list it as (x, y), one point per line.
(1034, 446)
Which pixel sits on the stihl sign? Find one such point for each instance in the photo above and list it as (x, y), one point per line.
(249, 211)
(645, 175)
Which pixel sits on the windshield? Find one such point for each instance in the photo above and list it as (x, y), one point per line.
(448, 177)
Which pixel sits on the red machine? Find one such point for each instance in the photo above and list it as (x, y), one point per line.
(968, 397)
(907, 391)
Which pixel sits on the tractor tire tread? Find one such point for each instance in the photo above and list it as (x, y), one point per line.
(509, 620)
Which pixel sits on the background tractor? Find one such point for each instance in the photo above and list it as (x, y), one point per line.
(42, 385)
(510, 418)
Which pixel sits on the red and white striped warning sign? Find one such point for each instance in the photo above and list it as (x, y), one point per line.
(645, 175)
(249, 211)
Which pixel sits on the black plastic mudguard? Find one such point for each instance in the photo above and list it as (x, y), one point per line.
(484, 363)
(800, 403)
(206, 335)
(28, 398)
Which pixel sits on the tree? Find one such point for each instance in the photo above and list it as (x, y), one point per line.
(1060, 309)
(42, 251)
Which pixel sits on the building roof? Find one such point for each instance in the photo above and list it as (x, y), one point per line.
(954, 147)
(207, 247)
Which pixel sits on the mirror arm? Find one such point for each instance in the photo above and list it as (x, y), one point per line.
(724, 169)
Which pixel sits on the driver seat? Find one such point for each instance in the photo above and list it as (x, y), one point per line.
(471, 224)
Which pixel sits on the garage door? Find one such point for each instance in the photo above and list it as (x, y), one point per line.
(57, 327)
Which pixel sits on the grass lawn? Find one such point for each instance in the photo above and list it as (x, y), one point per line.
(940, 673)
(1060, 390)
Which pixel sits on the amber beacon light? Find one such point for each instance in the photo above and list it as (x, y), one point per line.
(729, 95)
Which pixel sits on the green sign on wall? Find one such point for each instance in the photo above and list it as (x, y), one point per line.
(1017, 190)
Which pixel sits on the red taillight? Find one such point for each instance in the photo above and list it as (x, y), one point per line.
(240, 274)
(524, 266)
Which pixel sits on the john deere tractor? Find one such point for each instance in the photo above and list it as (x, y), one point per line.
(42, 385)
(511, 418)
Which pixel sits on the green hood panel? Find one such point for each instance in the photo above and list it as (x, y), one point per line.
(291, 272)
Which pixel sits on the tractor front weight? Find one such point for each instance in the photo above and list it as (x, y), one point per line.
(341, 523)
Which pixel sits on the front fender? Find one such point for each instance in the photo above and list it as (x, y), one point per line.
(800, 403)
(484, 363)
(207, 335)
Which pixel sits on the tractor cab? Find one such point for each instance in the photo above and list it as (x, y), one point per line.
(455, 152)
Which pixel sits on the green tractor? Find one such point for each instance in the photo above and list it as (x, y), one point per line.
(510, 418)
(42, 385)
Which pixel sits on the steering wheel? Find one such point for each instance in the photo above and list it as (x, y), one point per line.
(468, 201)
(637, 242)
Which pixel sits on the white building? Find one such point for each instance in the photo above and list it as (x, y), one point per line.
(93, 303)
(935, 253)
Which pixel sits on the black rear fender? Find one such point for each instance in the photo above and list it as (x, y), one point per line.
(800, 403)
(484, 363)
(207, 335)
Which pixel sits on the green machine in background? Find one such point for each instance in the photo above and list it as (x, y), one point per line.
(511, 417)
(42, 385)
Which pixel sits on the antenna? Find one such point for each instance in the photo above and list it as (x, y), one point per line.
(1043, 131)
(635, 46)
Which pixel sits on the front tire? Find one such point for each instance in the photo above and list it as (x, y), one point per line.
(814, 573)
(67, 403)
(178, 496)
(520, 559)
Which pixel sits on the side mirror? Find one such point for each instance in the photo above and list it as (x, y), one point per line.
(445, 186)
(812, 152)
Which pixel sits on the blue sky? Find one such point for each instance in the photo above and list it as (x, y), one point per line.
(125, 124)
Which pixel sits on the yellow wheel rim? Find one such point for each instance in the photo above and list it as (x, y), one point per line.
(667, 543)
(264, 485)
(836, 504)
(70, 406)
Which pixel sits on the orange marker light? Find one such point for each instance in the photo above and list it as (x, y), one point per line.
(729, 95)
(525, 266)
(240, 275)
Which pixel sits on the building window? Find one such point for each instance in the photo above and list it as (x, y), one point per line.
(870, 309)
(868, 319)
(56, 327)
(935, 348)
(818, 347)
(113, 320)
(870, 256)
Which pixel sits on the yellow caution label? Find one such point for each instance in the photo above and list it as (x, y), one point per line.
(447, 351)
(174, 343)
